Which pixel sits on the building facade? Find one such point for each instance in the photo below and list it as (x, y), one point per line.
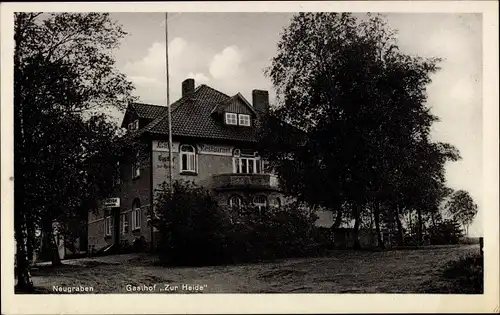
(214, 145)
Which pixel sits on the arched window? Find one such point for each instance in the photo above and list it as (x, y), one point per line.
(136, 214)
(235, 202)
(188, 158)
(275, 202)
(260, 202)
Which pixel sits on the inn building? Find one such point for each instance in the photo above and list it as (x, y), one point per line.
(214, 139)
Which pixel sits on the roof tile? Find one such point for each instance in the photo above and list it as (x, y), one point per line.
(192, 117)
(148, 111)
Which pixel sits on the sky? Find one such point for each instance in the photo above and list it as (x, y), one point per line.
(229, 52)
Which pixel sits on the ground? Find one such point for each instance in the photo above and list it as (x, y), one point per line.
(396, 271)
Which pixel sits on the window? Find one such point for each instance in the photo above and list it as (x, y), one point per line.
(108, 222)
(188, 159)
(136, 219)
(134, 125)
(260, 202)
(275, 202)
(244, 120)
(124, 223)
(136, 167)
(235, 202)
(246, 163)
(231, 119)
(136, 215)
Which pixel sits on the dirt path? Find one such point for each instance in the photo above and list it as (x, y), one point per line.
(343, 271)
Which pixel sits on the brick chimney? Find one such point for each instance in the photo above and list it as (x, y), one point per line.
(260, 100)
(187, 87)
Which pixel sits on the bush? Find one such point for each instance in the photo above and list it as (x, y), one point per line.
(139, 244)
(466, 274)
(277, 233)
(190, 226)
(194, 230)
(125, 247)
(445, 233)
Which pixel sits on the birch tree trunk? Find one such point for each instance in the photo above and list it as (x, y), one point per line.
(376, 215)
(357, 222)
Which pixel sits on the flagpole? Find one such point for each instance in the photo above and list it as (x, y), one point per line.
(168, 107)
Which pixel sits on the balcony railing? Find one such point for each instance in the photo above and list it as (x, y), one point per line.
(245, 181)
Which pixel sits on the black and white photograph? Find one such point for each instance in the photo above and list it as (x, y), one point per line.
(169, 152)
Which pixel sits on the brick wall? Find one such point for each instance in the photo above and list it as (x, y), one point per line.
(144, 230)
(139, 188)
(129, 190)
(208, 164)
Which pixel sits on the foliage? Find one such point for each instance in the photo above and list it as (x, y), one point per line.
(446, 232)
(462, 207)
(464, 276)
(362, 106)
(195, 230)
(287, 231)
(190, 224)
(65, 153)
(139, 244)
(65, 61)
(467, 274)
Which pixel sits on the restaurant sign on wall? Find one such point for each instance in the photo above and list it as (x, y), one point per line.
(215, 149)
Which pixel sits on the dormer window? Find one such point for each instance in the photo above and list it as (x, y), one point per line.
(244, 120)
(134, 125)
(231, 119)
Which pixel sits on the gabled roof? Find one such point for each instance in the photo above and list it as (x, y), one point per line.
(144, 111)
(192, 117)
(232, 102)
(148, 111)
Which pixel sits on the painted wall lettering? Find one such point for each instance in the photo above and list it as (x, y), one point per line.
(162, 161)
(160, 145)
(215, 149)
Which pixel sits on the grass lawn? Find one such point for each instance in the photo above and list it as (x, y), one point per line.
(397, 271)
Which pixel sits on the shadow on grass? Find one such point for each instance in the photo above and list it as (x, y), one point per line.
(63, 268)
(34, 290)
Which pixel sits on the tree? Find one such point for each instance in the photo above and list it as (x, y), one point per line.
(63, 71)
(362, 105)
(446, 232)
(462, 207)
